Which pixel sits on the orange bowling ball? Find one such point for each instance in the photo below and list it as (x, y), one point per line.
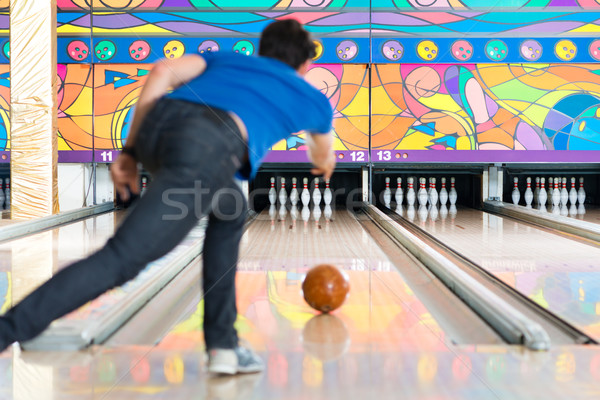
(325, 288)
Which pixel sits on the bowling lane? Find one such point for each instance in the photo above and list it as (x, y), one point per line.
(382, 311)
(556, 272)
(27, 262)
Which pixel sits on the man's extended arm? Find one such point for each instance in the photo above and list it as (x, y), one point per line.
(320, 152)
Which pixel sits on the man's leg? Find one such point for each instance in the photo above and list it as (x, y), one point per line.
(220, 257)
(144, 236)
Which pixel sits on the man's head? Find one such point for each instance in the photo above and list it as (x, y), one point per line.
(287, 41)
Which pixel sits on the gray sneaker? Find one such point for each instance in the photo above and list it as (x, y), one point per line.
(233, 361)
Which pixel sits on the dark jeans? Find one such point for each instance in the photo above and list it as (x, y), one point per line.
(193, 153)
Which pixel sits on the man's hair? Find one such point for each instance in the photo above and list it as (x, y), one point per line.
(287, 41)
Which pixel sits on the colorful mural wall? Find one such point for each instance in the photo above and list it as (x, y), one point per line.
(409, 79)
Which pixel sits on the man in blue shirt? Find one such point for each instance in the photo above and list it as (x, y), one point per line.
(225, 112)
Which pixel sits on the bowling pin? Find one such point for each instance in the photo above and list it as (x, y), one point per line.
(428, 187)
(573, 193)
(272, 192)
(399, 195)
(564, 194)
(542, 195)
(144, 185)
(516, 195)
(316, 197)
(452, 196)
(305, 195)
(7, 194)
(387, 193)
(528, 193)
(556, 193)
(433, 194)
(536, 192)
(294, 193)
(327, 195)
(550, 190)
(410, 194)
(422, 194)
(581, 193)
(282, 193)
(443, 193)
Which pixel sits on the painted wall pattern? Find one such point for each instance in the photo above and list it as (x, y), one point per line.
(445, 74)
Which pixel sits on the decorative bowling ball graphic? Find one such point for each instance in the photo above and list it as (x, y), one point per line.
(139, 50)
(346, 50)
(565, 50)
(392, 50)
(496, 50)
(244, 47)
(174, 49)
(531, 50)
(462, 50)
(318, 49)
(595, 49)
(325, 337)
(208, 46)
(325, 288)
(427, 50)
(78, 50)
(105, 50)
(6, 49)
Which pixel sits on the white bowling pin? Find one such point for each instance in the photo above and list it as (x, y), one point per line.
(316, 197)
(516, 195)
(536, 192)
(7, 194)
(422, 194)
(573, 193)
(272, 192)
(581, 192)
(428, 187)
(387, 193)
(433, 194)
(410, 194)
(528, 193)
(144, 185)
(550, 190)
(542, 195)
(327, 195)
(564, 194)
(294, 193)
(452, 196)
(443, 193)
(282, 193)
(305, 195)
(399, 195)
(1, 194)
(556, 193)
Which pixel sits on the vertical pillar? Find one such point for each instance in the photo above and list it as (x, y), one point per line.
(33, 108)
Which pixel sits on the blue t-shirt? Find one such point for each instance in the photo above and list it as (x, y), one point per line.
(268, 95)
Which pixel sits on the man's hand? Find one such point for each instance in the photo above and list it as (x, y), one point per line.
(325, 167)
(125, 174)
